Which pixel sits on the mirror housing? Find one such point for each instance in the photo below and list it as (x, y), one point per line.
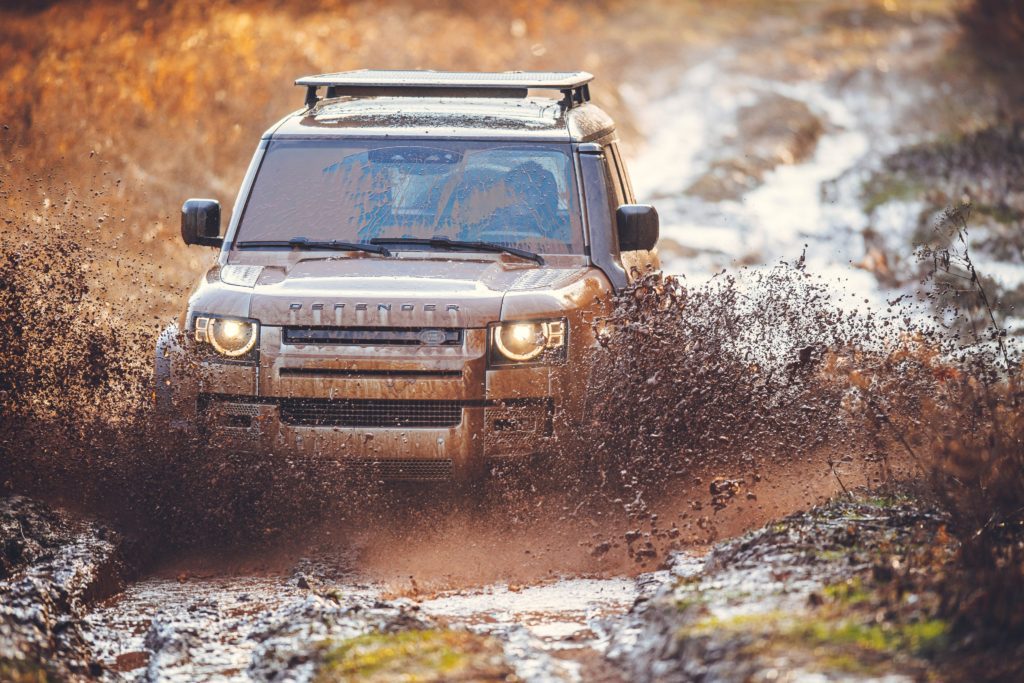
(200, 222)
(638, 227)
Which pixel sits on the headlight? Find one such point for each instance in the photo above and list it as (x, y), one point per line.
(528, 342)
(230, 337)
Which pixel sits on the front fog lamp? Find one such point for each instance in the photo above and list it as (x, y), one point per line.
(231, 337)
(524, 342)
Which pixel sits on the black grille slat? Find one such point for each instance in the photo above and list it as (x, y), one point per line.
(371, 413)
(357, 373)
(371, 336)
(412, 470)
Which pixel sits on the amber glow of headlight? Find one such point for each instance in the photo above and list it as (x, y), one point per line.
(523, 342)
(231, 338)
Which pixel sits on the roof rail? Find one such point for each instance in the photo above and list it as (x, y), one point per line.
(508, 84)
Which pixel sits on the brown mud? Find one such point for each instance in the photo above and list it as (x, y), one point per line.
(736, 401)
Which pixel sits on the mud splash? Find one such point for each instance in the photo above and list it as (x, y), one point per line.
(719, 406)
(681, 368)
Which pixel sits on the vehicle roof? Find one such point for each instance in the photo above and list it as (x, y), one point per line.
(529, 118)
(428, 78)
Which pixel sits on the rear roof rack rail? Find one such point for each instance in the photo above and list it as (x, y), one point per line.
(508, 84)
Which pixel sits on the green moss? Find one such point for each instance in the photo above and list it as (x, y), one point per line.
(752, 622)
(850, 592)
(923, 637)
(884, 188)
(415, 655)
(832, 555)
(19, 671)
(886, 502)
(826, 641)
(999, 213)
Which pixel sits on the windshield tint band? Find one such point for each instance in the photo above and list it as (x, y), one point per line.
(521, 195)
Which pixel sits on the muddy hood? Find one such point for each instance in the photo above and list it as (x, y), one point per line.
(376, 292)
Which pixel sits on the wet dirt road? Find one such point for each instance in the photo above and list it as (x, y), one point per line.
(213, 627)
(184, 623)
(548, 590)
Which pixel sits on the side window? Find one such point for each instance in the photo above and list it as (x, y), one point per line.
(623, 177)
(615, 179)
(612, 193)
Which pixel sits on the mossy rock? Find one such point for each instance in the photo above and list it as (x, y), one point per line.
(415, 655)
(924, 638)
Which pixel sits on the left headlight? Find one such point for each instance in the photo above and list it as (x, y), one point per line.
(229, 337)
(528, 342)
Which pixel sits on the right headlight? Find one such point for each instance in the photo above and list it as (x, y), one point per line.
(528, 342)
(230, 337)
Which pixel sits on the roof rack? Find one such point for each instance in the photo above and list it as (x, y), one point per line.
(509, 84)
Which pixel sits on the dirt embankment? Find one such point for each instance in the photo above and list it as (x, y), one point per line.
(53, 567)
(842, 592)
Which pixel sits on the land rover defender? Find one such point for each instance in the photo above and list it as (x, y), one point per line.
(411, 275)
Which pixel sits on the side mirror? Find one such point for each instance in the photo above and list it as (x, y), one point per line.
(200, 222)
(638, 227)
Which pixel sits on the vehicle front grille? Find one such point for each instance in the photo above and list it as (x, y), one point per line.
(236, 409)
(412, 470)
(373, 336)
(223, 412)
(514, 427)
(356, 373)
(370, 413)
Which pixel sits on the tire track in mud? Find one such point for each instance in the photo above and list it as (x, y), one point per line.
(234, 618)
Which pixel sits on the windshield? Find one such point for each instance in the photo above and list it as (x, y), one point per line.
(513, 194)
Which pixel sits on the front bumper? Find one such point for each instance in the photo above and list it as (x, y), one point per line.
(411, 412)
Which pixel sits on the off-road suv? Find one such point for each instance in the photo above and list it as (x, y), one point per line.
(411, 274)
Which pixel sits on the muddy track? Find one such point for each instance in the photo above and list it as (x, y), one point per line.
(786, 596)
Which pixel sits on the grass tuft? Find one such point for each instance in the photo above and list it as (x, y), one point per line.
(415, 655)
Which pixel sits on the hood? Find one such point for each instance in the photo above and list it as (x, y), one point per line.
(372, 292)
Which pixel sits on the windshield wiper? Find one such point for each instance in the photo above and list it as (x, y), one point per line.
(446, 243)
(306, 243)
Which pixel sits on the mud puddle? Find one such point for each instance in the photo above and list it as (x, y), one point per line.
(187, 629)
(217, 627)
(556, 631)
(553, 612)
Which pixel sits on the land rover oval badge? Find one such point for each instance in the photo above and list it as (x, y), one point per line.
(432, 337)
